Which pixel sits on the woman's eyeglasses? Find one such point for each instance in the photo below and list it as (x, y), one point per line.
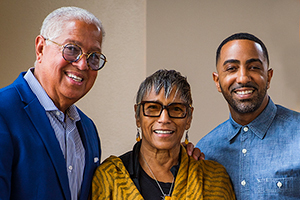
(154, 109)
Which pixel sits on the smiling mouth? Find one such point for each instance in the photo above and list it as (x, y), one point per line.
(163, 132)
(244, 92)
(75, 78)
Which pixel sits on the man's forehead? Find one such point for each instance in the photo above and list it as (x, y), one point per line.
(242, 43)
(241, 47)
(241, 51)
(81, 33)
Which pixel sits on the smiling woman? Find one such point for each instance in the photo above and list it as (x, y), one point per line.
(158, 167)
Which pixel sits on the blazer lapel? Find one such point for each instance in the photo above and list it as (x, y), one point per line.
(91, 144)
(86, 181)
(41, 122)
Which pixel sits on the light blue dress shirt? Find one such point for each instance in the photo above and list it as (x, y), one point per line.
(262, 158)
(66, 133)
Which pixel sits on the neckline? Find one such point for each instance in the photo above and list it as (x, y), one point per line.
(165, 196)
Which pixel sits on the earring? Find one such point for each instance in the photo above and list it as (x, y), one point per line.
(186, 141)
(138, 137)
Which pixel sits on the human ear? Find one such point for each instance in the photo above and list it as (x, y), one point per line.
(270, 75)
(216, 80)
(137, 118)
(189, 120)
(39, 47)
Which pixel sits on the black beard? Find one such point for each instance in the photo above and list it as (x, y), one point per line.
(247, 105)
(244, 106)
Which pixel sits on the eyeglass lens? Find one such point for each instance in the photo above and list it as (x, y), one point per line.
(72, 53)
(154, 109)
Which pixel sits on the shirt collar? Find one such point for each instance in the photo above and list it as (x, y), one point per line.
(259, 126)
(43, 97)
(39, 91)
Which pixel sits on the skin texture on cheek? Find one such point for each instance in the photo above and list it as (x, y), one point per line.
(243, 77)
(66, 83)
(153, 127)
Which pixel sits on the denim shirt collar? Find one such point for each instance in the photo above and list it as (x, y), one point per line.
(258, 126)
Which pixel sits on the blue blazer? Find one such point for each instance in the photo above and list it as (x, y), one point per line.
(32, 166)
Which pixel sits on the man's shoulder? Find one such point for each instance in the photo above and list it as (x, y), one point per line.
(84, 118)
(82, 114)
(287, 114)
(211, 143)
(15, 93)
(217, 132)
(18, 81)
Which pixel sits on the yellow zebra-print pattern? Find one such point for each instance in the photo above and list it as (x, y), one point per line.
(195, 180)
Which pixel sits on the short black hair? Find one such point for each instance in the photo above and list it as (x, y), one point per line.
(242, 36)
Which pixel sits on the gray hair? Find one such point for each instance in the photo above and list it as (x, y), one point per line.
(167, 79)
(53, 24)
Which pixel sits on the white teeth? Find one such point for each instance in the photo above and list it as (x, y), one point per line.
(244, 92)
(163, 132)
(75, 78)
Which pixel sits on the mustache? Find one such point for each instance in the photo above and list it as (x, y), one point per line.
(237, 86)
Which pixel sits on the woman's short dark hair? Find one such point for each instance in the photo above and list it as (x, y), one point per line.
(167, 79)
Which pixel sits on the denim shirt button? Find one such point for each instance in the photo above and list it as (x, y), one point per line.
(243, 183)
(246, 128)
(279, 184)
(244, 151)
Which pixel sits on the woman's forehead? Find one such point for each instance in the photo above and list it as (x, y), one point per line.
(153, 94)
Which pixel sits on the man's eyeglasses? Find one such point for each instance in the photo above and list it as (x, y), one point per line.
(72, 53)
(154, 109)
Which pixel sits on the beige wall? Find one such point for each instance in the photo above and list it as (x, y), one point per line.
(143, 36)
(184, 35)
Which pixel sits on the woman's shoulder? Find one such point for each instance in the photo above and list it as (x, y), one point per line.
(212, 169)
(207, 166)
(211, 164)
(109, 163)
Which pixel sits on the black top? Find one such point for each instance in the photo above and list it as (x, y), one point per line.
(144, 183)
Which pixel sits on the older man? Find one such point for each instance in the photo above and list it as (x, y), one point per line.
(49, 148)
(259, 143)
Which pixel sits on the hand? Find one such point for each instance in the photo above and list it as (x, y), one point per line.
(192, 151)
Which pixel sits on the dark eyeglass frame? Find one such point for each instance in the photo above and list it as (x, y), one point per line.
(142, 103)
(102, 56)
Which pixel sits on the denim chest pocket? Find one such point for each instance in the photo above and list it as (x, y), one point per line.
(288, 186)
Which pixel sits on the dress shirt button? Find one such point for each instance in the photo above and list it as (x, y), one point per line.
(279, 184)
(57, 113)
(244, 151)
(243, 183)
(70, 167)
(246, 128)
(96, 159)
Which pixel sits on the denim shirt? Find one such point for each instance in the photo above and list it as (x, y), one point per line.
(262, 158)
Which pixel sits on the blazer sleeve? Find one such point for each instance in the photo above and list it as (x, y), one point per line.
(6, 160)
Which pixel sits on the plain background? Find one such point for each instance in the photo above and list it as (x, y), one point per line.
(143, 36)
